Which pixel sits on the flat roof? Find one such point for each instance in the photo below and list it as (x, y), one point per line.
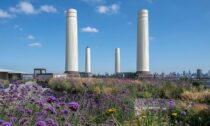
(9, 71)
(40, 69)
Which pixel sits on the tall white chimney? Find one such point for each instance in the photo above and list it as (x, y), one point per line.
(71, 42)
(143, 43)
(87, 61)
(117, 60)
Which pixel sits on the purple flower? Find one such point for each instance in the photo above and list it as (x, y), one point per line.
(61, 104)
(35, 87)
(40, 103)
(23, 121)
(125, 108)
(51, 99)
(1, 121)
(20, 109)
(29, 111)
(64, 112)
(32, 101)
(85, 84)
(67, 124)
(43, 113)
(13, 119)
(57, 106)
(51, 109)
(40, 123)
(7, 124)
(74, 106)
(171, 104)
(50, 122)
(183, 113)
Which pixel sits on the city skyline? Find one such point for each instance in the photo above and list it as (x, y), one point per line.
(177, 42)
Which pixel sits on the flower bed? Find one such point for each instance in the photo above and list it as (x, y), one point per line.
(89, 102)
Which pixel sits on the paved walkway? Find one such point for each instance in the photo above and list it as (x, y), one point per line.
(150, 103)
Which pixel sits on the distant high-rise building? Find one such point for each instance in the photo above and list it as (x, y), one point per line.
(163, 75)
(184, 73)
(209, 73)
(189, 73)
(199, 74)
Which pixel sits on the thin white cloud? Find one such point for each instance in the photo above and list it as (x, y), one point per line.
(115, 8)
(89, 29)
(18, 27)
(30, 37)
(33, 42)
(102, 9)
(36, 44)
(108, 9)
(28, 8)
(4, 14)
(23, 7)
(48, 9)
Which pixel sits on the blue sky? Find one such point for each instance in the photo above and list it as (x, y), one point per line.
(32, 34)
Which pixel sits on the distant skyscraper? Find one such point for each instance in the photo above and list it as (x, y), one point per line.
(71, 43)
(117, 60)
(184, 73)
(209, 73)
(88, 61)
(143, 43)
(189, 72)
(199, 74)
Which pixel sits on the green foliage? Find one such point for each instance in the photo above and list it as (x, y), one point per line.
(144, 94)
(196, 83)
(148, 118)
(68, 85)
(132, 90)
(4, 83)
(171, 91)
(127, 110)
(201, 118)
(108, 94)
(166, 89)
(57, 84)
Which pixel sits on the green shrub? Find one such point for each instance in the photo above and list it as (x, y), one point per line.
(144, 94)
(4, 83)
(196, 83)
(69, 85)
(133, 90)
(58, 84)
(171, 91)
(201, 118)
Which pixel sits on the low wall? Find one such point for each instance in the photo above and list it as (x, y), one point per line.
(4, 75)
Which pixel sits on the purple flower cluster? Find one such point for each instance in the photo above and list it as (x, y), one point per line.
(40, 123)
(51, 99)
(74, 106)
(4, 123)
(85, 85)
(31, 106)
(171, 104)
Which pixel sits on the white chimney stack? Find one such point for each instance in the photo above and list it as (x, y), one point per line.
(143, 43)
(71, 42)
(88, 61)
(117, 60)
